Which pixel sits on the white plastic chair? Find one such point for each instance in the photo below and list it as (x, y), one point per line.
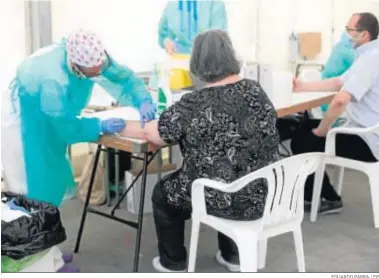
(284, 211)
(370, 169)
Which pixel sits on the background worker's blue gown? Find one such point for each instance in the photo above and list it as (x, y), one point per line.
(51, 98)
(183, 20)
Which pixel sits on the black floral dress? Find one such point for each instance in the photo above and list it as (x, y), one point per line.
(224, 133)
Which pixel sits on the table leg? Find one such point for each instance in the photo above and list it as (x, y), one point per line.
(106, 177)
(84, 214)
(117, 172)
(123, 196)
(140, 213)
(159, 164)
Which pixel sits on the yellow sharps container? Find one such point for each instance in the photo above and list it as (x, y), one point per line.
(180, 78)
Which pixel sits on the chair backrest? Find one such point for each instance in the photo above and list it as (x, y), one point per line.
(286, 179)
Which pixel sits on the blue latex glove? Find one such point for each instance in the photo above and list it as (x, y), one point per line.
(13, 206)
(112, 126)
(147, 112)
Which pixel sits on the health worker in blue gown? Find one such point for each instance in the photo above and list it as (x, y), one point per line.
(41, 112)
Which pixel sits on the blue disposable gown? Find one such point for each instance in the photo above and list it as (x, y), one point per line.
(183, 20)
(51, 100)
(340, 60)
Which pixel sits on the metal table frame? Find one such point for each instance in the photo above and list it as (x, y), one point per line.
(148, 156)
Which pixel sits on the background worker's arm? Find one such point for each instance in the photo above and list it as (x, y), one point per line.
(163, 29)
(219, 18)
(55, 105)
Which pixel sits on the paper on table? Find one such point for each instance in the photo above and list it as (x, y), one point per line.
(126, 113)
(100, 97)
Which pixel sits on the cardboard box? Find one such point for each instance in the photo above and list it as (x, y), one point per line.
(310, 45)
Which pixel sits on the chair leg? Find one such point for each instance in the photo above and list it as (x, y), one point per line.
(374, 188)
(338, 179)
(195, 230)
(262, 252)
(299, 248)
(317, 186)
(248, 253)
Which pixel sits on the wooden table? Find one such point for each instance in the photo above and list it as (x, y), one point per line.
(300, 102)
(305, 101)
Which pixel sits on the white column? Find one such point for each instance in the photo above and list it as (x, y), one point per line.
(37, 25)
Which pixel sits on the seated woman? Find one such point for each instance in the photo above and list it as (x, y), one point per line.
(225, 131)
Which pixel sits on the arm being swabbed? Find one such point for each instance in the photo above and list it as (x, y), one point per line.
(149, 132)
(168, 129)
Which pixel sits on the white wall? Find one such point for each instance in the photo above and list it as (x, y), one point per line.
(12, 34)
(129, 27)
(278, 18)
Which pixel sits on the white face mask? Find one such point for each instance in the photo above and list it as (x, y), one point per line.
(97, 79)
(354, 41)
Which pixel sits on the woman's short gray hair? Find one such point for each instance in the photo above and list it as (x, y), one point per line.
(213, 57)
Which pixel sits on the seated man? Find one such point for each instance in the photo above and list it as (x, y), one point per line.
(339, 61)
(225, 131)
(358, 95)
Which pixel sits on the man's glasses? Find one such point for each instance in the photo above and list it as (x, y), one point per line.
(353, 30)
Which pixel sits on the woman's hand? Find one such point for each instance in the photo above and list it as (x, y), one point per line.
(169, 47)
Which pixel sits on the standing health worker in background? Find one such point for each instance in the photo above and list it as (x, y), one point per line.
(41, 112)
(183, 20)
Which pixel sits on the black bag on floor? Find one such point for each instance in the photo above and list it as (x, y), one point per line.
(27, 236)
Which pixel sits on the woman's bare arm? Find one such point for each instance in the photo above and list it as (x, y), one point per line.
(149, 132)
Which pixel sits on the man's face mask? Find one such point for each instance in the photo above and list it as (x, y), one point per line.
(354, 40)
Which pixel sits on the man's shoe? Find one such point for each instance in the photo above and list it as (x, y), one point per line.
(330, 207)
(160, 268)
